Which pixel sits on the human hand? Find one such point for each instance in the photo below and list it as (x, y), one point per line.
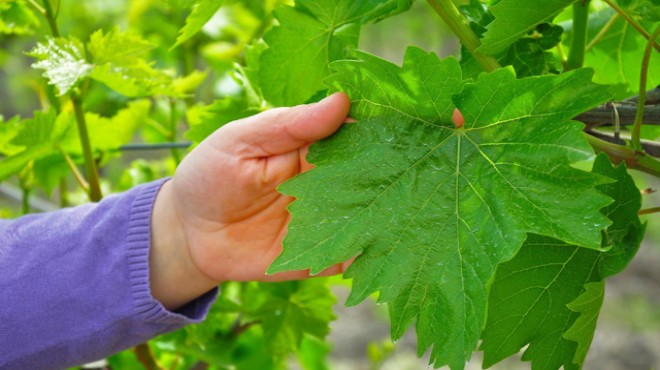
(220, 218)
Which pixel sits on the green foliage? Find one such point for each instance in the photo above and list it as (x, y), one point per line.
(549, 295)
(202, 11)
(514, 18)
(63, 62)
(16, 17)
(308, 37)
(469, 185)
(485, 232)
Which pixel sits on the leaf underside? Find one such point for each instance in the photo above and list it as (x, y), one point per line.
(431, 210)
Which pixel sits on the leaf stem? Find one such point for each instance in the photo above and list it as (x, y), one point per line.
(51, 18)
(579, 42)
(648, 211)
(603, 31)
(94, 192)
(632, 22)
(36, 5)
(80, 179)
(641, 100)
(173, 131)
(459, 26)
(25, 199)
(619, 153)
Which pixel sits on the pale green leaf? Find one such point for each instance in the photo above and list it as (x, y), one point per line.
(63, 62)
(514, 18)
(308, 37)
(120, 48)
(431, 210)
(617, 57)
(202, 11)
(17, 18)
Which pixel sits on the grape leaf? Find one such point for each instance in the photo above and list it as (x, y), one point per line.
(308, 37)
(617, 57)
(430, 209)
(588, 305)
(120, 64)
(35, 138)
(288, 311)
(63, 62)
(537, 297)
(17, 18)
(514, 18)
(202, 11)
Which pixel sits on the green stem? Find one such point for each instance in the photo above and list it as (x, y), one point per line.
(173, 131)
(632, 22)
(579, 42)
(641, 100)
(459, 26)
(94, 193)
(603, 31)
(25, 200)
(74, 169)
(64, 193)
(39, 8)
(619, 153)
(51, 18)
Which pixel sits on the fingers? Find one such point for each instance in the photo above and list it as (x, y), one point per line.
(282, 130)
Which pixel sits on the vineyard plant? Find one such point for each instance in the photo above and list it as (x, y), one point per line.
(493, 233)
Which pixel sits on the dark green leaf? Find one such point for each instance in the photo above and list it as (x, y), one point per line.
(432, 209)
(547, 295)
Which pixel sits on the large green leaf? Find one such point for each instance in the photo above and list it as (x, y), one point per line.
(430, 209)
(514, 18)
(547, 296)
(308, 37)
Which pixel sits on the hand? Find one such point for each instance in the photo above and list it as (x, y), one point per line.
(220, 218)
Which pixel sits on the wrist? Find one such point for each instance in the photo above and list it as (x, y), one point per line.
(174, 278)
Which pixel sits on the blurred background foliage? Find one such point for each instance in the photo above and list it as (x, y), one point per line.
(233, 336)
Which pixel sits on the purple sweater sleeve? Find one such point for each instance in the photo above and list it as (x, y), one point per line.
(74, 284)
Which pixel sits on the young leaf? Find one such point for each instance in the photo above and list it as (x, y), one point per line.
(63, 62)
(217, 114)
(514, 18)
(17, 18)
(120, 64)
(310, 35)
(537, 296)
(202, 11)
(430, 209)
(291, 310)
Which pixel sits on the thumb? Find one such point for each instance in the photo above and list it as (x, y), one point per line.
(282, 130)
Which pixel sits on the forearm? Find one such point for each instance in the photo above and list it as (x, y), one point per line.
(75, 284)
(174, 278)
